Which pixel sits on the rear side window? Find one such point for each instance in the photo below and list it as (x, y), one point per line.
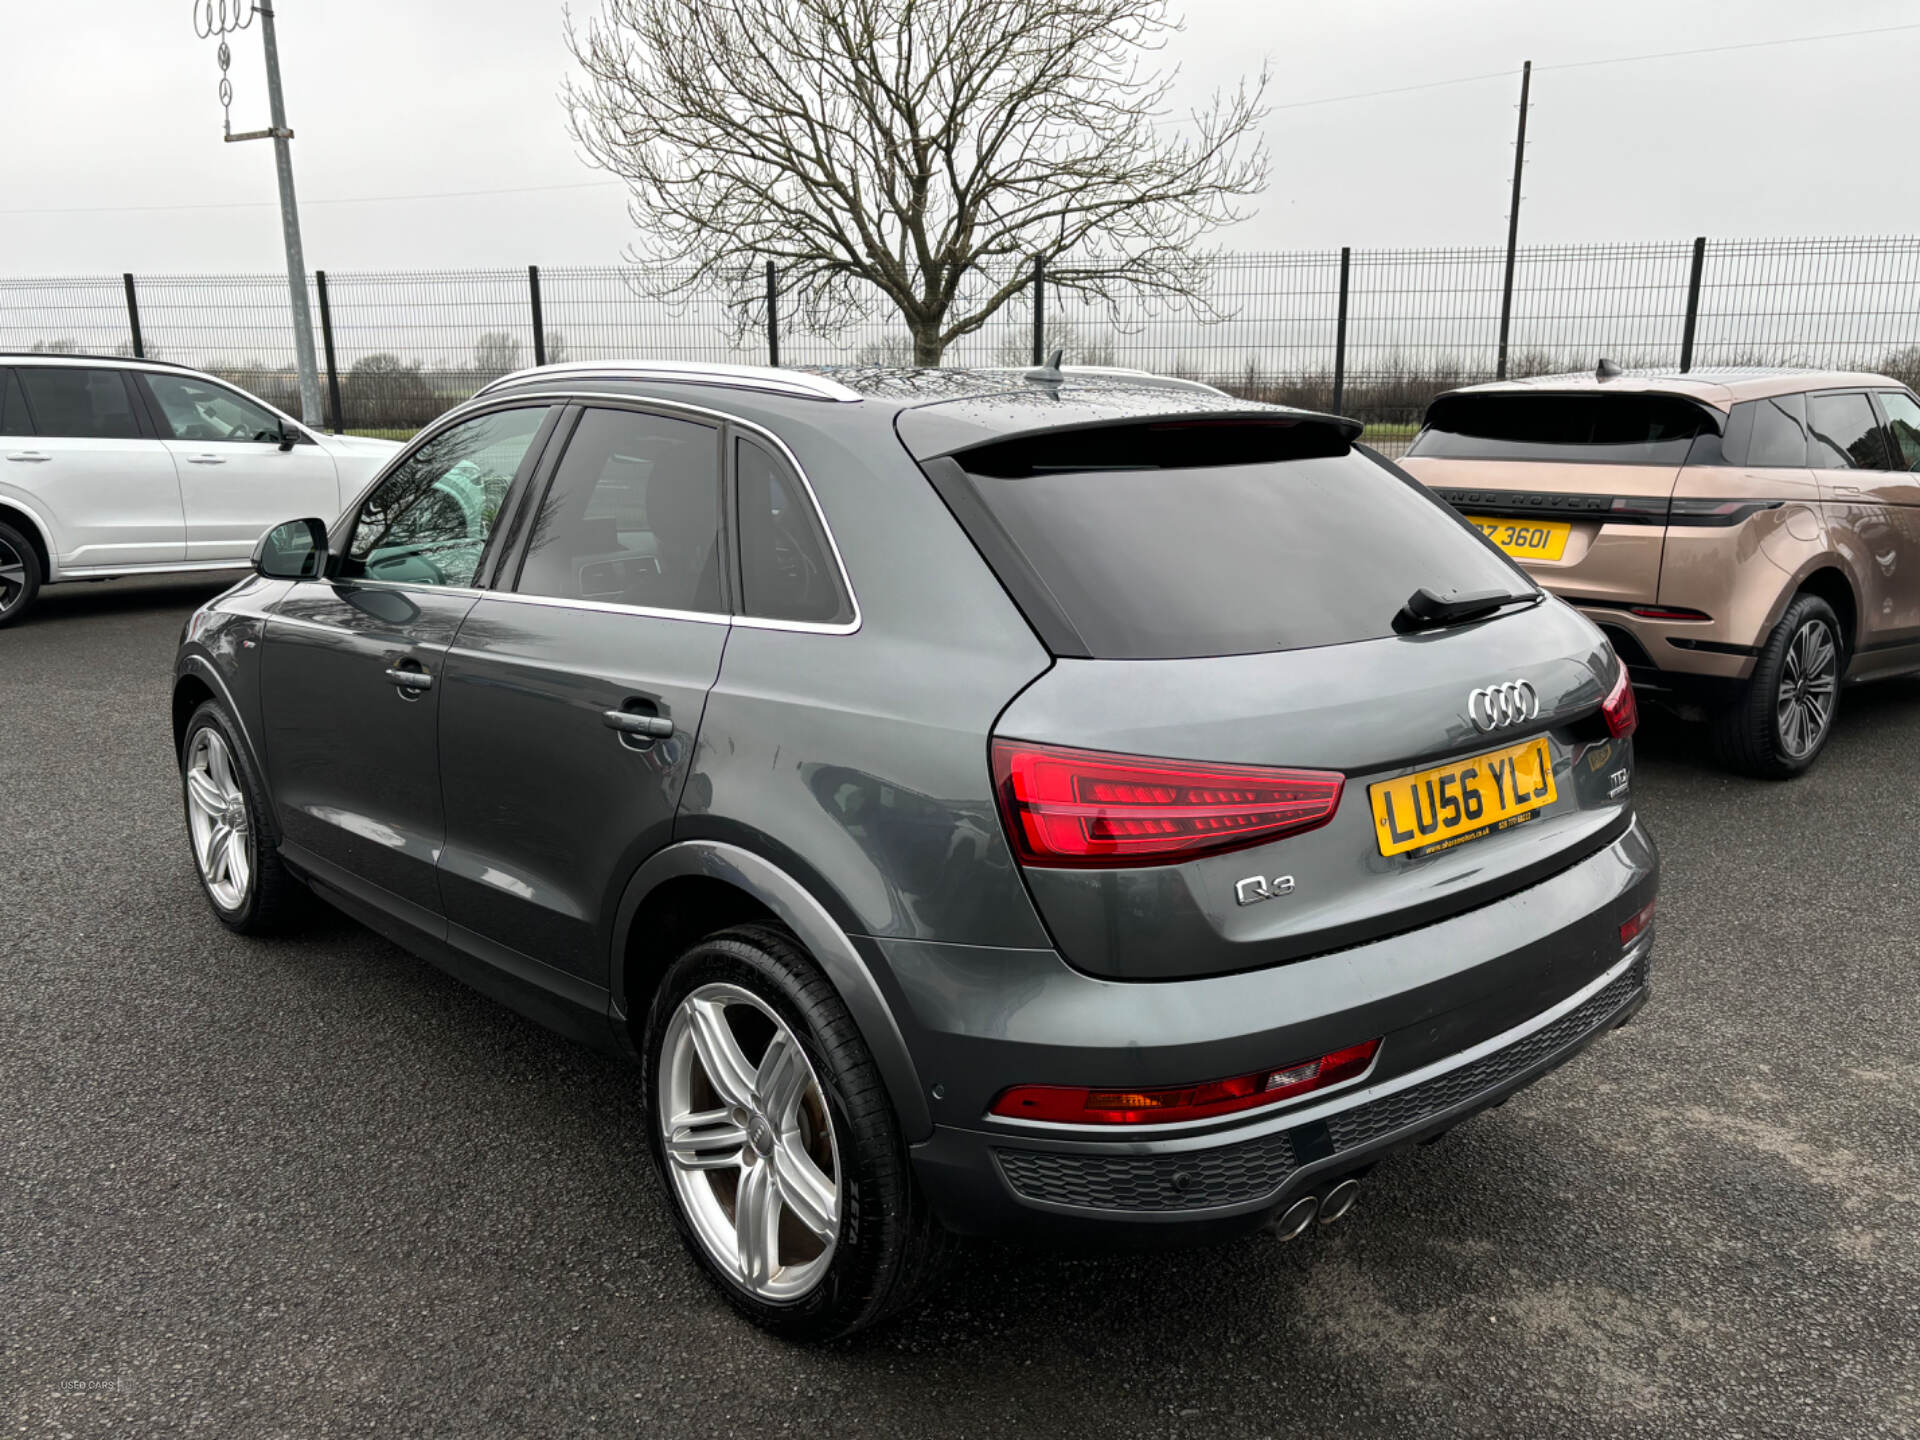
(786, 570)
(14, 419)
(1622, 429)
(1281, 543)
(1846, 432)
(79, 403)
(1779, 432)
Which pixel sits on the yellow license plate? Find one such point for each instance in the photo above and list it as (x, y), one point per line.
(1525, 539)
(1462, 800)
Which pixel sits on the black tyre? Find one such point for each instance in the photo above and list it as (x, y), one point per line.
(20, 577)
(776, 1142)
(1782, 717)
(236, 849)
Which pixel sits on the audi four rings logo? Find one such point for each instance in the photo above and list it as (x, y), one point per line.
(1495, 707)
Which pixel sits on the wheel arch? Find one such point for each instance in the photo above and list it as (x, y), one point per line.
(195, 682)
(13, 513)
(1831, 584)
(696, 886)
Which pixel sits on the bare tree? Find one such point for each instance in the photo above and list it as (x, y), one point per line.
(911, 147)
(496, 353)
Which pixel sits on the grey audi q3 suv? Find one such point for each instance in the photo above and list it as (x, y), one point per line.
(1050, 803)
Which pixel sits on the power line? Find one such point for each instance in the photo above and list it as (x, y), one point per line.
(338, 200)
(1507, 74)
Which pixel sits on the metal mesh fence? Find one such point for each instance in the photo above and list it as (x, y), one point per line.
(409, 344)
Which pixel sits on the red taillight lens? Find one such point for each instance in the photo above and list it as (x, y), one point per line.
(1630, 929)
(1089, 808)
(1619, 709)
(1079, 1105)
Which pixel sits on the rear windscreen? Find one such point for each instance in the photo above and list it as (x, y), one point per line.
(1149, 558)
(1623, 429)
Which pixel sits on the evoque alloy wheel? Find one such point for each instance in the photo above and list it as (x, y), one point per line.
(1809, 682)
(1779, 720)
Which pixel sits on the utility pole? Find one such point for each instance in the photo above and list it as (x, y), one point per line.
(214, 17)
(1513, 218)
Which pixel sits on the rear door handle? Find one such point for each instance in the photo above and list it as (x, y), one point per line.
(647, 727)
(28, 457)
(410, 679)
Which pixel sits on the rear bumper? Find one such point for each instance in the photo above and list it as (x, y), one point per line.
(1499, 997)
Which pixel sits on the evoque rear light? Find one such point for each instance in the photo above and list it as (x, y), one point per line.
(1089, 808)
(1619, 709)
(1083, 1105)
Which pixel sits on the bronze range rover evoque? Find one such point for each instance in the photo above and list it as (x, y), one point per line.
(1749, 540)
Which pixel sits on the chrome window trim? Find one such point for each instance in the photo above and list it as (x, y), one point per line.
(795, 383)
(1284, 1117)
(749, 622)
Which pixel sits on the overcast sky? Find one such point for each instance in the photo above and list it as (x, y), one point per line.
(114, 104)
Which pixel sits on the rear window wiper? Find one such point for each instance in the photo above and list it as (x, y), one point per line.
(1425, 610)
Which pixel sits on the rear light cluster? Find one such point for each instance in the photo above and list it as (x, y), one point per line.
(1619, 709)
(1630, 930)
(1079, 1105)
(1088, 808)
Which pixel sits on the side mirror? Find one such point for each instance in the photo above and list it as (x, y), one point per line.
(288, 436)
(296, 550)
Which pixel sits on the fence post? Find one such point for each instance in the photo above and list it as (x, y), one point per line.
(1693, 303)
(773, 316)
(326, 342)
(1340, 334)
(1039, 310)
(539, 325)
(133, 318)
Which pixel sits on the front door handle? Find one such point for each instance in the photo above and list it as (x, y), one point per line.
(29, 457)
(646, 727)
(413, 680)
(206, 459)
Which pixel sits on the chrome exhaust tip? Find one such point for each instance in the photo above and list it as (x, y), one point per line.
(1292, 1222)
(1338, 1200)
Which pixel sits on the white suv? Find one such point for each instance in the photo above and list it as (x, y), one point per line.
(138, 467)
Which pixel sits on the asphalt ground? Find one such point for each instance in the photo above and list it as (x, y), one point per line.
(316, 1187)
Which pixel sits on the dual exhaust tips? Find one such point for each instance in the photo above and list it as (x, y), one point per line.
(1326, 1206)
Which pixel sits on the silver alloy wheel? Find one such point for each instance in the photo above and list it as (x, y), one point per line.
(218, 821)
(1809, 680)
(13, 576)
(749, 1142)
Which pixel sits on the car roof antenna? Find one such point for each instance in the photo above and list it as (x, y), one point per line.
(1606, 369)
(1049, 373)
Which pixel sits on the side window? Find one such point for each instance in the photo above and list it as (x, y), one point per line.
(786, 569)
(14, 419)
(428, 522)
(1846, 433)
(80, 402)
(1903, 424)
(1779, 432)
(632, 516)
(199, 410)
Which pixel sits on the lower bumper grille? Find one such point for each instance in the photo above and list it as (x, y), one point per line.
(1414, 1104)
(1234, 1174)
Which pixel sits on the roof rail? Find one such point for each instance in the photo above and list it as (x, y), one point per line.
(94, 355)
(797, 383)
